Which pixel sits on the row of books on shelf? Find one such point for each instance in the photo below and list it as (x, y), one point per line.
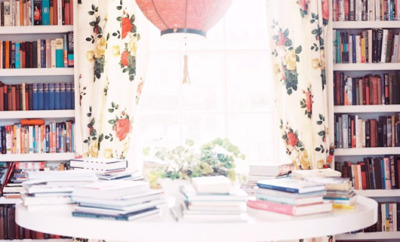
(37, 96)
(366, 10)
(388, 218)
(36, 12)
(41, 53)
(53, 137)
(368, 46)
(380, 89)
(353, 132)
(10, 230)
(372, 172)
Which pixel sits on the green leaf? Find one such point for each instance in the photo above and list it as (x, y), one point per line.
(119, 7)
(110, 110)
(131, 77)
(93, 23)
(317, 149)
(114, 34)
(93, 7)
(119, 18)
(321, 133)
(91, 12)
(319, 122)
(286, 33)
(111, 121)
(298, 49)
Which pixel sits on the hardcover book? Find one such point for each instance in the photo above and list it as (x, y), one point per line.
(291, 185)
(294, 210)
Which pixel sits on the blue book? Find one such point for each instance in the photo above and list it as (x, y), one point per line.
(46, 96)
(353, 51)
(45, 12)
(43, 53)
(63, 96)
(40, 96)
(52, 98)
(17, 55)
(68, 95)
(291, 185)
(35, 102)
(47, 138)
(72, 95)
(57, 96)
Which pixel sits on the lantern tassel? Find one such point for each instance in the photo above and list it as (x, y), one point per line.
(186, 78)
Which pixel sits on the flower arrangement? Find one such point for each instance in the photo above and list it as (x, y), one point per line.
(217, 157)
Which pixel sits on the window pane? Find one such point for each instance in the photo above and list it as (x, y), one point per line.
(249, 86)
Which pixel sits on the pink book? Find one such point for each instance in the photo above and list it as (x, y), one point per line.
(294, 210)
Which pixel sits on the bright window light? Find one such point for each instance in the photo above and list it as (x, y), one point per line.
(230, 94)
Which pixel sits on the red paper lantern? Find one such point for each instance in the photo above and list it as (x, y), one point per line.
(184, 16)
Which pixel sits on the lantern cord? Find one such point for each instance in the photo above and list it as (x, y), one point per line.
(186, 78)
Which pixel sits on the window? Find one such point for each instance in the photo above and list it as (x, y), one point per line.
(230, 94)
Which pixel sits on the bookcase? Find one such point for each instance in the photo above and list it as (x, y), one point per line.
(40, 85)
(363, 74)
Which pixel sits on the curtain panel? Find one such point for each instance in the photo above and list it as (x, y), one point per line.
(111, 54)
(298, 31)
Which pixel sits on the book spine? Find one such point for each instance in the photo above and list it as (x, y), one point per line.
(272, 207)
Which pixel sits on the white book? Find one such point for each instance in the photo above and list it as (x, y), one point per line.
(341, 10)
(384, 45)
(53, 53)
(397, 14)
(371, 10)
(12, 12)
(363, 133)
(17, 13)
(39, 59)
(48, 53)
(359, 131)
(358, 48)
(377, 10)
(350, 48)
(349, 84)
(59, 12)
(358, 15)
(7, 13)
(369, 45)
(395, 48)
(345, 130)
(212, 184)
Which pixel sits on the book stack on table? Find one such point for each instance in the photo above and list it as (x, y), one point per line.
(290, 196)
(117, 199)
(53, 187)
(339, 190)
(212, 199)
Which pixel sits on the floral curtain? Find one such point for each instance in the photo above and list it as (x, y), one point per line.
(298, 30)
(111, 55)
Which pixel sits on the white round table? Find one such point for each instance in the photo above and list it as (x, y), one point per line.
(262, 225)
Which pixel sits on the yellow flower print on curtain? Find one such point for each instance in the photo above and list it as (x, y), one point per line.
(298, 60)
(110, 77)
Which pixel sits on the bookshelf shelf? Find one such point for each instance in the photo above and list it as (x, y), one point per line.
(42, 114)
(367, 109)
(369, 236)
(366, 67)
(4, 200)
(37, 157)
(25, 72)
(23, 30)
(364, 24)
(379, 193)
(367, 151)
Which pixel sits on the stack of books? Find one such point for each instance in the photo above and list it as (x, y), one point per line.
(117, 200)
(100, 165)
(53, 187)
(339, 191)
(211, 199)
(265, 171)
(290, 196)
